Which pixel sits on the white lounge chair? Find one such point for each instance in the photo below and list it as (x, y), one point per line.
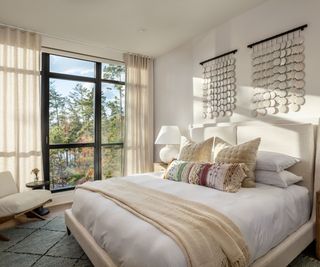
(14, 204)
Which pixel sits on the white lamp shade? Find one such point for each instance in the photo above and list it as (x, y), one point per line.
(168, 135)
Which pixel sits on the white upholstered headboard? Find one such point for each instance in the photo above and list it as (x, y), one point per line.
(298, 140)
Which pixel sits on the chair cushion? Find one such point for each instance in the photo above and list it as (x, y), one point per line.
(7, 185)
(20, 202)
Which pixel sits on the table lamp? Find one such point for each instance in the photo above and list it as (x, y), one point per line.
(170, 137)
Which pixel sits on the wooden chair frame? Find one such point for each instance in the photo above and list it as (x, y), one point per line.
(14, 216)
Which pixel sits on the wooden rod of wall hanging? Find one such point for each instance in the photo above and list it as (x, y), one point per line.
(278, 35)
(225, 54)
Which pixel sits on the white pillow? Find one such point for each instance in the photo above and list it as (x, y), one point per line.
(280, 179)
(273, 161)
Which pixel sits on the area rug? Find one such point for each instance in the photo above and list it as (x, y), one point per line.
(305, 261)
(41, 243)
(46, 243)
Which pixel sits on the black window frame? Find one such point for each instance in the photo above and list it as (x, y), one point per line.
(97, 145)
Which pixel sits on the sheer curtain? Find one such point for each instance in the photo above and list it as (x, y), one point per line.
(139, 114)
(20, 140)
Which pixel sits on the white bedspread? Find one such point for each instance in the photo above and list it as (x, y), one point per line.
(265, 215)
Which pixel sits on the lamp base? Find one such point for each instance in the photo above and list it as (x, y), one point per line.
(169, 153)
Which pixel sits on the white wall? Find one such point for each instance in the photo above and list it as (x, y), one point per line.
(77, 47)
(173, 89)
(178, 83)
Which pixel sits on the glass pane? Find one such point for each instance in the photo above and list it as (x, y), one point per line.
(116, 72)
(69, 167)
(111, 162)
(72, 66)
(112, 113)
(71, 112)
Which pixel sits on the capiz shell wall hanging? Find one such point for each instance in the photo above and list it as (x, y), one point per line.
(278, 73)
(219, 86)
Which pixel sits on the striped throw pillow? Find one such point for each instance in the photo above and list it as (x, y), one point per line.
(178, 171)
(221, 176)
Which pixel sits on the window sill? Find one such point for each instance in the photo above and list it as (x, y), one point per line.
(60, 198)
(67, 188)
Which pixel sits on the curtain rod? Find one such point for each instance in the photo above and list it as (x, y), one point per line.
(225, 54)
(81, 54)
(278, 35)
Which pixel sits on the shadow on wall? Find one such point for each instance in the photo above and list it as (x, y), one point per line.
(247, 113)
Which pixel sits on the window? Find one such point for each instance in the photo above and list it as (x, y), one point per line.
(82, 120)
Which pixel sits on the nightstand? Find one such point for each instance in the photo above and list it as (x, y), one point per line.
(159, 166)
(318, 224)
(35, 186)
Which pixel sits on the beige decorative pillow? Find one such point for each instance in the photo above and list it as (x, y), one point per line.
(244, 153)
(196, 152)
(218, 145)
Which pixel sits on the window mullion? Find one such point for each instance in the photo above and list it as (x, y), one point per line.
(97, 111)
(45, 116)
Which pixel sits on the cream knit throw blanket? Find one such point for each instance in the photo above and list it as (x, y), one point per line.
(205, 236)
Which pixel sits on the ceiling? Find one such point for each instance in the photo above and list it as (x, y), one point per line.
(150, 27)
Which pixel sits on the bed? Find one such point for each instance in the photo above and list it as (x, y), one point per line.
(101, 227)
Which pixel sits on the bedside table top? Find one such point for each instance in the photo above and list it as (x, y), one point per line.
(162, 164)
(159, 166)
(37, 184)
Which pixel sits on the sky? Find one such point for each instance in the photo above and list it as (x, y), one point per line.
(73, 66)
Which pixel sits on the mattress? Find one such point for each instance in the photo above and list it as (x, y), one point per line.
(265, 216)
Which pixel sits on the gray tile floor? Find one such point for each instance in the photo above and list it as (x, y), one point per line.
(46, 243)
(41, 243)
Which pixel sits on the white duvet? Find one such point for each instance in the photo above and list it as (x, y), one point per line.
(265, 216)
